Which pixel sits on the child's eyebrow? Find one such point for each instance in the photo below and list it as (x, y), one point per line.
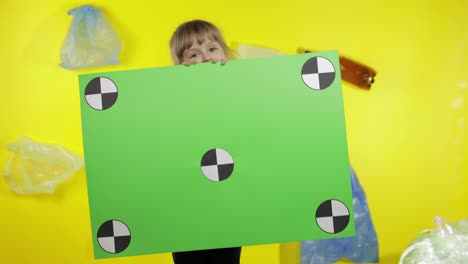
(190, 50)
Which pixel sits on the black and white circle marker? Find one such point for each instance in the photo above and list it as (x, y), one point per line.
(217, 164)
(101, 93)
(318, 73)
(332, 216)
(114, 236)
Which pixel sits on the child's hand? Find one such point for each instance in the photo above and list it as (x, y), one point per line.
(223, 61)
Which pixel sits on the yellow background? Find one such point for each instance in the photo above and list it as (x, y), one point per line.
(407, 136)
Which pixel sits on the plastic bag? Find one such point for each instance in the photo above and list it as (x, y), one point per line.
(91, 40)
(445, 244)
(34, 168)
(363, 247)
(246, 51)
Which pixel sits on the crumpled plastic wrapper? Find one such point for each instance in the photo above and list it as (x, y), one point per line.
(445, 244)
(35, 168)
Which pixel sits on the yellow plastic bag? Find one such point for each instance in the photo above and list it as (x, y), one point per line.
(34, 168)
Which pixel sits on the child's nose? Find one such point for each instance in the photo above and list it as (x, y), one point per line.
(206, 58)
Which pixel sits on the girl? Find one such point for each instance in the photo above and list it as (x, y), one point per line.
(198, 41)
(195, 42)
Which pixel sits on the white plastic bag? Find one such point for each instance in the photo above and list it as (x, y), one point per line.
(34, 168)
(445, 244)
(91, 40)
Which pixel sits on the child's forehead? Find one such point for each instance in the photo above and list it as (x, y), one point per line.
(199, 41)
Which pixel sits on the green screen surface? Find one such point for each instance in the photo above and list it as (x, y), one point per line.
(278, 169)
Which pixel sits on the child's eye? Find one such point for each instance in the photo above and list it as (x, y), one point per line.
(193, 55)
(213, 49)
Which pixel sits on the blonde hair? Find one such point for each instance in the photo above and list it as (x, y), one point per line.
(195, 31)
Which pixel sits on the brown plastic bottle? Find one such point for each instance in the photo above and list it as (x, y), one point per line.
(353, 72)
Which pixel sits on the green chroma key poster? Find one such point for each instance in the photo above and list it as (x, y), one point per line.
(210, 156)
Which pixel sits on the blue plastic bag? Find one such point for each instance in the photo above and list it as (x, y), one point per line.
(91, 40)
(363, 247)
